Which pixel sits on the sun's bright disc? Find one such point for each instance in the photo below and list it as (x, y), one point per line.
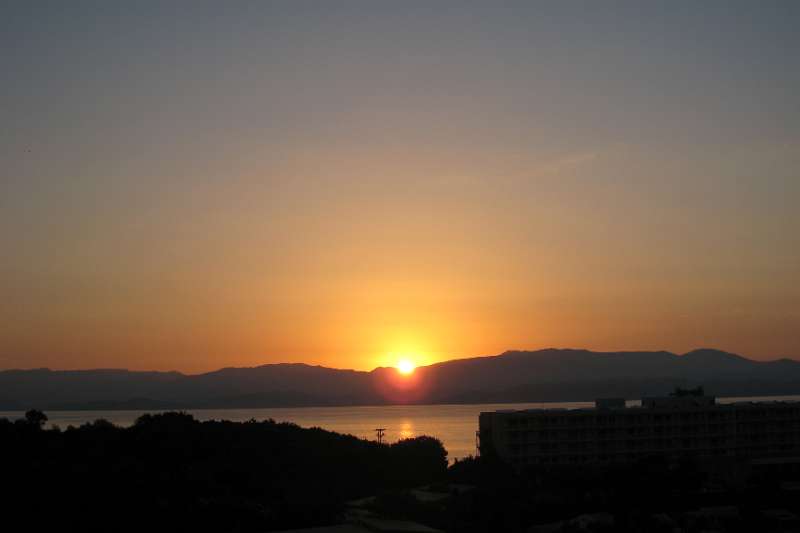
(406, 367)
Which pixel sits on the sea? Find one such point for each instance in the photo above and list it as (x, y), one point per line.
(454, 425)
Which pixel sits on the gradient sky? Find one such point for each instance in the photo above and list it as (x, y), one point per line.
(191, 185)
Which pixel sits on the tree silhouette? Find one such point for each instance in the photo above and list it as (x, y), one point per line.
(36, 418)
(170, 471)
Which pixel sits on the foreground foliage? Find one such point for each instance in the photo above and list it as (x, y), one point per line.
(170, 471)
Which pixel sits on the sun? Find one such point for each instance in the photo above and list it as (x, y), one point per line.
(405, 366)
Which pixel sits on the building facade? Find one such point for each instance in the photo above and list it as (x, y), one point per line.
(671, 427)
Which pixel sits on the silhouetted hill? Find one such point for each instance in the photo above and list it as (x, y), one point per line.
(543, 375)
(559, 374)
(170, 472)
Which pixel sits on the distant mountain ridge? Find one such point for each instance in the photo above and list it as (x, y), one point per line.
(514, 376)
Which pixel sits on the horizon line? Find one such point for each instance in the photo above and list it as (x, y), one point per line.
(506, 352)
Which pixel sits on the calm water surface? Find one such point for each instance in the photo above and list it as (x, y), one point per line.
(454, 425)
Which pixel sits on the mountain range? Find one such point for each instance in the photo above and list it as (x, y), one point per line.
(514, 376)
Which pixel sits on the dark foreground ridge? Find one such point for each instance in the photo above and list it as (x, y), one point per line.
(544, 375)
(169, 472)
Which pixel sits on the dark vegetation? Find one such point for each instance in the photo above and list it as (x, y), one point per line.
(172, 472)
(653, 495)
(683, 393)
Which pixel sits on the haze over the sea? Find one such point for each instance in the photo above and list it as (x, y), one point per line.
(205, 185)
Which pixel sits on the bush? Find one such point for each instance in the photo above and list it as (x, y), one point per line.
(169, 471)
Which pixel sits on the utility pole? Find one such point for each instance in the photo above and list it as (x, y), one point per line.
(379, 432)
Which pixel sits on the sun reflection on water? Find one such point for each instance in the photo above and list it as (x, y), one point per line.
(406, 429)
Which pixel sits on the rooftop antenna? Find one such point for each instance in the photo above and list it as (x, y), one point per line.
(379, 432)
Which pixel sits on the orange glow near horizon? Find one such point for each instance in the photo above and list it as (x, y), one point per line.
(369, 192)
(405, 384)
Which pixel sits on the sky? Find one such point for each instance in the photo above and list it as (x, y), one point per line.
(196, 185)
